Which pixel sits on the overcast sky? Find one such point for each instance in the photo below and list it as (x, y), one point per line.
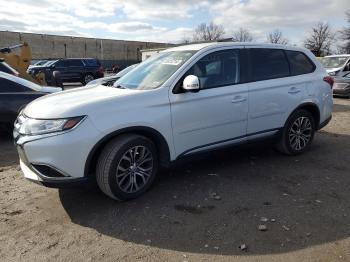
(168, 20)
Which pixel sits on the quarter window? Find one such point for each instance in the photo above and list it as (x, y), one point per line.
(217, 69)
(299, 63)
(268, 64)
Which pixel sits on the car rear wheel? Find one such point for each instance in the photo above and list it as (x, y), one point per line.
(127, 167)
(298, 133)
(88, 78)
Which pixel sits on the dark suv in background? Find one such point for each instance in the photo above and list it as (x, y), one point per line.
(81, 70)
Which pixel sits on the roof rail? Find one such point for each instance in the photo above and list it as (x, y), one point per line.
(225, 40)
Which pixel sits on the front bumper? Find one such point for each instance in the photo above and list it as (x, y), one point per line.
(35, 176)
(324, 123)
(57, 159)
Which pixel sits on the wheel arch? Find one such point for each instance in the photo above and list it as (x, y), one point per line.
(312, 108)
(152, 134)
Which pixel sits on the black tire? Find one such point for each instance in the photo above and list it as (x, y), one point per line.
(114, 155)
(85, 78)
(286, 145)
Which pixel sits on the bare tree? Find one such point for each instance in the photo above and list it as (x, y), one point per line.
(276, 37)
(208, 32)
(320, 40)
(185, 40)
(242, 35)
(345, 36)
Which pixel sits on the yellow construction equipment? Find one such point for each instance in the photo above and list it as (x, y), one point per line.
(21, 62)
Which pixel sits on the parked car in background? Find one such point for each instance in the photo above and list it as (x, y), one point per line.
(81, 70)
(177, 103)
(336, 65)
(110, 80)
(38, 63)
(15, 94)
(341, 85)
(4, 67)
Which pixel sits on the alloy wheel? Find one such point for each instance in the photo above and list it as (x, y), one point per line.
(300, 133)
(134, 169)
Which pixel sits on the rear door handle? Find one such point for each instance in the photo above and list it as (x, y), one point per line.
(294, 90)
(238, 99)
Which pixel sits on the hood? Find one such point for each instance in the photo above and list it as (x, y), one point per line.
(103, 80)
(75, 102)
(332, 70)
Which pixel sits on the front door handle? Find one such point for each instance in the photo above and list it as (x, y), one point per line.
(238, 99)
(293, 90)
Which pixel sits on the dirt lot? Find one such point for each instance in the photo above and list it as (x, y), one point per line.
(306, 197)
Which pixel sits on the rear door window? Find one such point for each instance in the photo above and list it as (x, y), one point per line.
(268, 64)
(299, 63)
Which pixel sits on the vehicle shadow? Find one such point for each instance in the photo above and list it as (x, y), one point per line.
(216, 203)
(8, 153)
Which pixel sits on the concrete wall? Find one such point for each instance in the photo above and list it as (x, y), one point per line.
(108, 51)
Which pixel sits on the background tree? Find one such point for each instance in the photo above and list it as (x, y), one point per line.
(276, 37)
(208, 32)
(185, 40)
(320, 40)
(242, 35)
(345, 36)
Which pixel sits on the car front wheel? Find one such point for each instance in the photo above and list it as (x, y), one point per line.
(87, 78)
(127, 167)
(298, 133)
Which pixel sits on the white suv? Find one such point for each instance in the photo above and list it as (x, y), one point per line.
(184, 100)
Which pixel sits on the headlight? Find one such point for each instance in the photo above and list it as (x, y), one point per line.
(32, 127)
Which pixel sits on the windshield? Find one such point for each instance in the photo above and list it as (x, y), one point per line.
(40, 62)
(333, 62)
(48, 63)
(126, 70)
(153, 72)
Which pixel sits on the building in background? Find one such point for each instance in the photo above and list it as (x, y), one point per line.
(147, 53)
(109, 52)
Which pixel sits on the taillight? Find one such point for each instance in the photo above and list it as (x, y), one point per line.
(329, 80)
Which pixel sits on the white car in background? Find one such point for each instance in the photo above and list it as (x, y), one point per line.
(182, 101)
(336, 65)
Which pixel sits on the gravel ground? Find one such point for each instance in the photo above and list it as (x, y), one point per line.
(198, 211)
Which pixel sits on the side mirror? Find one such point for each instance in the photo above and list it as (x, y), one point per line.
(191, 83)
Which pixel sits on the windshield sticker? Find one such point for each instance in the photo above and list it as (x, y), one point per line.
(172, 61)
